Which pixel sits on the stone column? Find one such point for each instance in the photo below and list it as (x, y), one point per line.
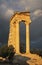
(12, 35)
(17, 37)
(27, 39)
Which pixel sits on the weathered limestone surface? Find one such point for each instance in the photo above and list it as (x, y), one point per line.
(14, 30)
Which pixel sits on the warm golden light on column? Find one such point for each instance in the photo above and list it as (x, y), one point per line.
(17, 38)
(14, 30)
(27, 39)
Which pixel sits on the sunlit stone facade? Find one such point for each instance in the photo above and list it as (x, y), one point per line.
(14, 30)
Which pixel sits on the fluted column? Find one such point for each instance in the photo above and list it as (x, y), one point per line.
(27, 39)
(17, 38)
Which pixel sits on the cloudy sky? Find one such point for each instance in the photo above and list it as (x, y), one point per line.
(7, 9)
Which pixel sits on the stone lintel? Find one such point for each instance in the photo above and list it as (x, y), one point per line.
(26, 13)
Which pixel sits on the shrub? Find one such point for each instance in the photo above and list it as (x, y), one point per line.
(36, 51)
(4, 51)
(11, 52)
(7, 51)
(22, 48)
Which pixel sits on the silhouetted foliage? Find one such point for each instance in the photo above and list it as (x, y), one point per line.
(37, 51)
(4, 51)
(7, 52)
(22, 48)
(11, 52)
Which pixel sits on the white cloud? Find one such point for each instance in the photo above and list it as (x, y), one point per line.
(3, 6)
(7, 7)
(5, 11)
(22, 1)
(27, 8)
(9, 12)
(36, 14)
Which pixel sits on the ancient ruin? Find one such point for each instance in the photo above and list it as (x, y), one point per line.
(14, 30)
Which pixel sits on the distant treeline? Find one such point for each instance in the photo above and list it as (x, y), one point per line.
(36, 51)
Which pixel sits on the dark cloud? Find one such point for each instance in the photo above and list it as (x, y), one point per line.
(36, 29)
(4, 30)
(36, 33)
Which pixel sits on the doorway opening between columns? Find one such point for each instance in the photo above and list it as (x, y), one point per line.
(22, 36)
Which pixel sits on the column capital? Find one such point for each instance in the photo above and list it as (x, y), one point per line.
(26, 23)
